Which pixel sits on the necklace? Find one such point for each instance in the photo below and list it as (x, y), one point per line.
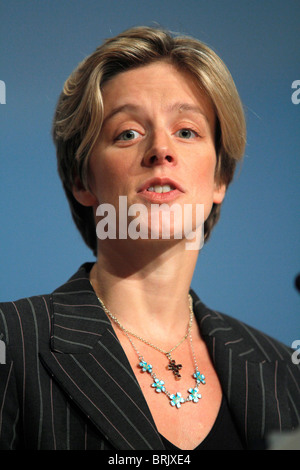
(176, 399)
(172, 366)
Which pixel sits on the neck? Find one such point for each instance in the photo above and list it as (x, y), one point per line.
(146, 287)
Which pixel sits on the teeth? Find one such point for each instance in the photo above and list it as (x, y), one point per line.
(160, 189)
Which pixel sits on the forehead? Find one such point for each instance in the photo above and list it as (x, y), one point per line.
(159, 84)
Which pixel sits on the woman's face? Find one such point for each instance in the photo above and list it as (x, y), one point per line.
(157, 141)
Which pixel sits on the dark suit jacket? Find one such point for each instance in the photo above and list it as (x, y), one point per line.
(67, 383)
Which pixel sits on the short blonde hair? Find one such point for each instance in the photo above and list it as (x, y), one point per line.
(79, 113)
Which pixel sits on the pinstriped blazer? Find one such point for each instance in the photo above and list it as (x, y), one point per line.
(67, 383)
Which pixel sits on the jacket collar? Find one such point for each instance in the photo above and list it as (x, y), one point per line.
(89, 363)
(251, 371)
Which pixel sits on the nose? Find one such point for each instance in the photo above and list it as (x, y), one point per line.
(160, 150)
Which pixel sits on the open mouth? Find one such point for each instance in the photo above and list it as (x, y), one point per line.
(160, 185)
(165, 188)
(160, 189)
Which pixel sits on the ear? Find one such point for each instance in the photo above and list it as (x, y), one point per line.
(219, 192)
(83, 195)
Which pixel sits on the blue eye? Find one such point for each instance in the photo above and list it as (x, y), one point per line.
(186, 134)
(128, 135)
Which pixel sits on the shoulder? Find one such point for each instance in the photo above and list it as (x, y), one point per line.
(30, 318)
(24, 319)
(234, 334)
(270, 347)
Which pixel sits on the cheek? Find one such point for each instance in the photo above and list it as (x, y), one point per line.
(107, 178)
(204, 178)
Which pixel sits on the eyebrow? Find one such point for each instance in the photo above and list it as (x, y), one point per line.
(121, 109)
(178, 106)
(186, 107)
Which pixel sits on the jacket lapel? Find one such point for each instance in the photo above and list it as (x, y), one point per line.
(88, 362)
(253, 382)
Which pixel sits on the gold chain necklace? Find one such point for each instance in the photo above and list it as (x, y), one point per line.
(176, 400)
(175, 368)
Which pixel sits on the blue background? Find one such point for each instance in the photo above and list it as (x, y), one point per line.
(248, 267)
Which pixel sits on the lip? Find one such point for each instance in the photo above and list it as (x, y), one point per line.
(160, 197)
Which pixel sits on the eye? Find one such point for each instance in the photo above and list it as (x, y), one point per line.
(186, 134)
(129, 134)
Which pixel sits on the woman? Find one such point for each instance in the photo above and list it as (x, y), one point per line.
(124, 355)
